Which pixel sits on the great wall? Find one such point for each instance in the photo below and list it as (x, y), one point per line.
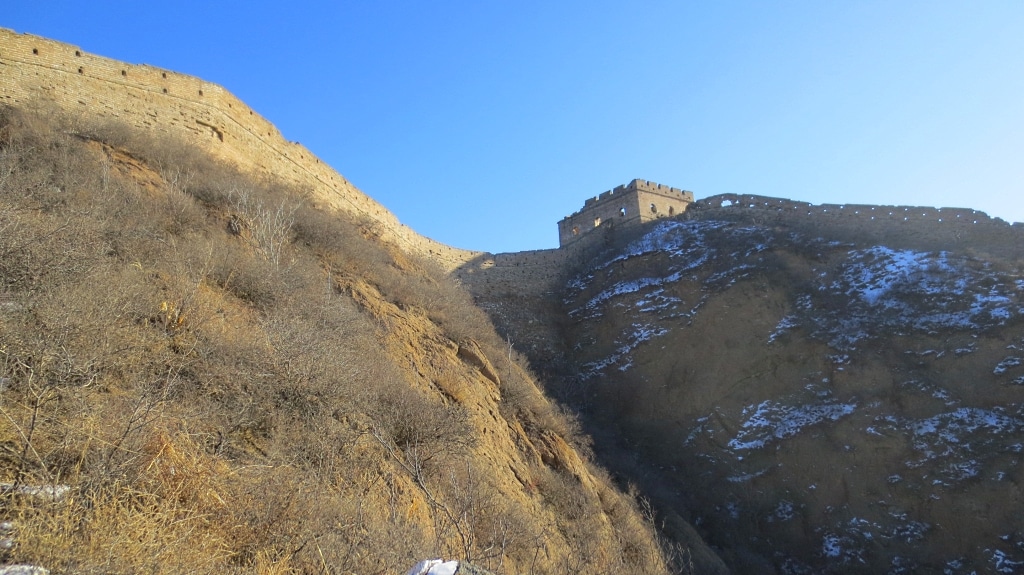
(36, 72)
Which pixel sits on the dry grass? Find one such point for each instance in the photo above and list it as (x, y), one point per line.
(179, 345)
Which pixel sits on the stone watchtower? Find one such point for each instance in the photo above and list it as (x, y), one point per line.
(633, 204)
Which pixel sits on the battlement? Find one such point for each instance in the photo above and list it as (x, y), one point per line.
(631, 204)
(637, 185)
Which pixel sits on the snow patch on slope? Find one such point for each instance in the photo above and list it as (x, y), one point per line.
(770, 421)
(889, 290)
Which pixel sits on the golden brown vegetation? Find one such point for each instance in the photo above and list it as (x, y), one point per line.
(230, 380)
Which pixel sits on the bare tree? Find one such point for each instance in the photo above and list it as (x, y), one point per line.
(267, 228)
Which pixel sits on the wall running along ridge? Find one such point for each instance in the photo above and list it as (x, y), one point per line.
(924, 228)
(35, 72)
(543, 271)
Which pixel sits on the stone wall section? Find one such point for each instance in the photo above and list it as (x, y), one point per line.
(534, 272)
(37, 72)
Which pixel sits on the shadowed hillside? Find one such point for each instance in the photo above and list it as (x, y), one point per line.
(812, 393)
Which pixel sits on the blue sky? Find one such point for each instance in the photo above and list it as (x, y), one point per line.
(482, 123)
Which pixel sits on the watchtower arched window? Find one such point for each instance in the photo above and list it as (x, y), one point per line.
(597, 222)
(622, 211)
(575, 230)
(654, 209)
(671, 210)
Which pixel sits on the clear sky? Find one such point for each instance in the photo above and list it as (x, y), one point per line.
(481, 123)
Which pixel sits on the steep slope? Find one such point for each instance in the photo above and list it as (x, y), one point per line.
(815, 394)
(201, 371)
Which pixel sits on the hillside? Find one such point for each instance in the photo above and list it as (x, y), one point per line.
(813, 392)
(202, 371)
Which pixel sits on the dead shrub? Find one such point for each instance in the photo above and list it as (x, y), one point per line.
(250, 279)
(423, 429)
(266, 226)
